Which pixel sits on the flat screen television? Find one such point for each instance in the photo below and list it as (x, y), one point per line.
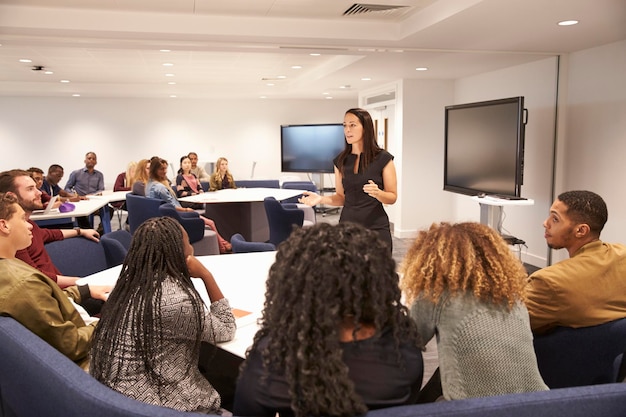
(484, 148)
(310, 148)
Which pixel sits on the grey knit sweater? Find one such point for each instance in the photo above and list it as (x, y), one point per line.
(484, 349)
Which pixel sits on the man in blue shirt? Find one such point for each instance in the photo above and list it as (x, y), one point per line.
(88, 180)
(85, 181)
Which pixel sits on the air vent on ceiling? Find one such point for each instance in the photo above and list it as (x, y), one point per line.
(359, 9)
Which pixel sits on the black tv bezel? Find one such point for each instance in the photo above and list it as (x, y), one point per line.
(282, 160)
(519, 152)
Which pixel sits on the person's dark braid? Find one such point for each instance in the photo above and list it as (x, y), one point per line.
(155, 255)
(322, 275)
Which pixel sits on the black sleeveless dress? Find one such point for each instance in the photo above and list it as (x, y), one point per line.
(360, 207)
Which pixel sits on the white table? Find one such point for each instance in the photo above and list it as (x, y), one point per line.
(85, 208)
(241, 277)
(240, 210)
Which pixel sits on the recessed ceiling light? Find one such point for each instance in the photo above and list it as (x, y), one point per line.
(296, 67)
(568, 22)
(65, 81)
(75, 95)
(173, 96)
(172, 83)
(328, 98)
(366, 79)
(421, 69)
(48, 72)
(165, 50)
(262, 96)
(169, 75)
(168, 64)
(26, 60)
(270, 84)
(281, 77)
(325, 93)
(315, 54)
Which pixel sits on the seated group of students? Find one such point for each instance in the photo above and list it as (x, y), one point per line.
(336, 336)
(150, 179)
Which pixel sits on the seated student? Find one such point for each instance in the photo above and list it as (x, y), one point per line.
(51, 184)
(465, 286)
(123, 180)
(196, 169)
(140, 177)
(35, 300)
(334, 338)
(20, 184)
(37, 175)
(84, 182)
(221, 178)
(187, 184)
(147, 344)
(589, 288)
(159, 187)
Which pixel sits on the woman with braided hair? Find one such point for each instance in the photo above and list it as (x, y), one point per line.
(334, 338)
(147, 343)
(465, 286)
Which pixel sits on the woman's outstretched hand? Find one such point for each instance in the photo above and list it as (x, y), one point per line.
(310, 198)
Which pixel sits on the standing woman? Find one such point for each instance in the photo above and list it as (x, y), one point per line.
(365, 178)
(221, 178)
(147, 343)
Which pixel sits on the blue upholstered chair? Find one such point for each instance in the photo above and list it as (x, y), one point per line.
(281, 219)
(240, 245)
(116, 245)
(77, 256)
(203, 240)
(140, 209)
(570, 357)
(37, 380)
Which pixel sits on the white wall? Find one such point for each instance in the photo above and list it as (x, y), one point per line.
(592, 122)
(595, 132)
(423, 200)
(42, 131)
(535, 81)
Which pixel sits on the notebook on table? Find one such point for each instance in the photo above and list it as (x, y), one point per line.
(49, 207)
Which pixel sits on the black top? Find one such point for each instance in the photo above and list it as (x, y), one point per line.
(358, 206)
(378, 377)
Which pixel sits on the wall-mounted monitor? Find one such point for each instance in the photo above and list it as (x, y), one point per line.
(484, 147)
(310, 148)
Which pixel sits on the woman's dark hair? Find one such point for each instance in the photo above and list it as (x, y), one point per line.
(182, 158)
(156, 254)
(370, 146)
(323, 275)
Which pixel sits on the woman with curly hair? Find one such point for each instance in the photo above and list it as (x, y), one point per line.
(221, 177)
(334, 338)
(464, 285)
(147, 343)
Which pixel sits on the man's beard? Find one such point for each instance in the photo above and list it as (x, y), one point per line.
(30, 206)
